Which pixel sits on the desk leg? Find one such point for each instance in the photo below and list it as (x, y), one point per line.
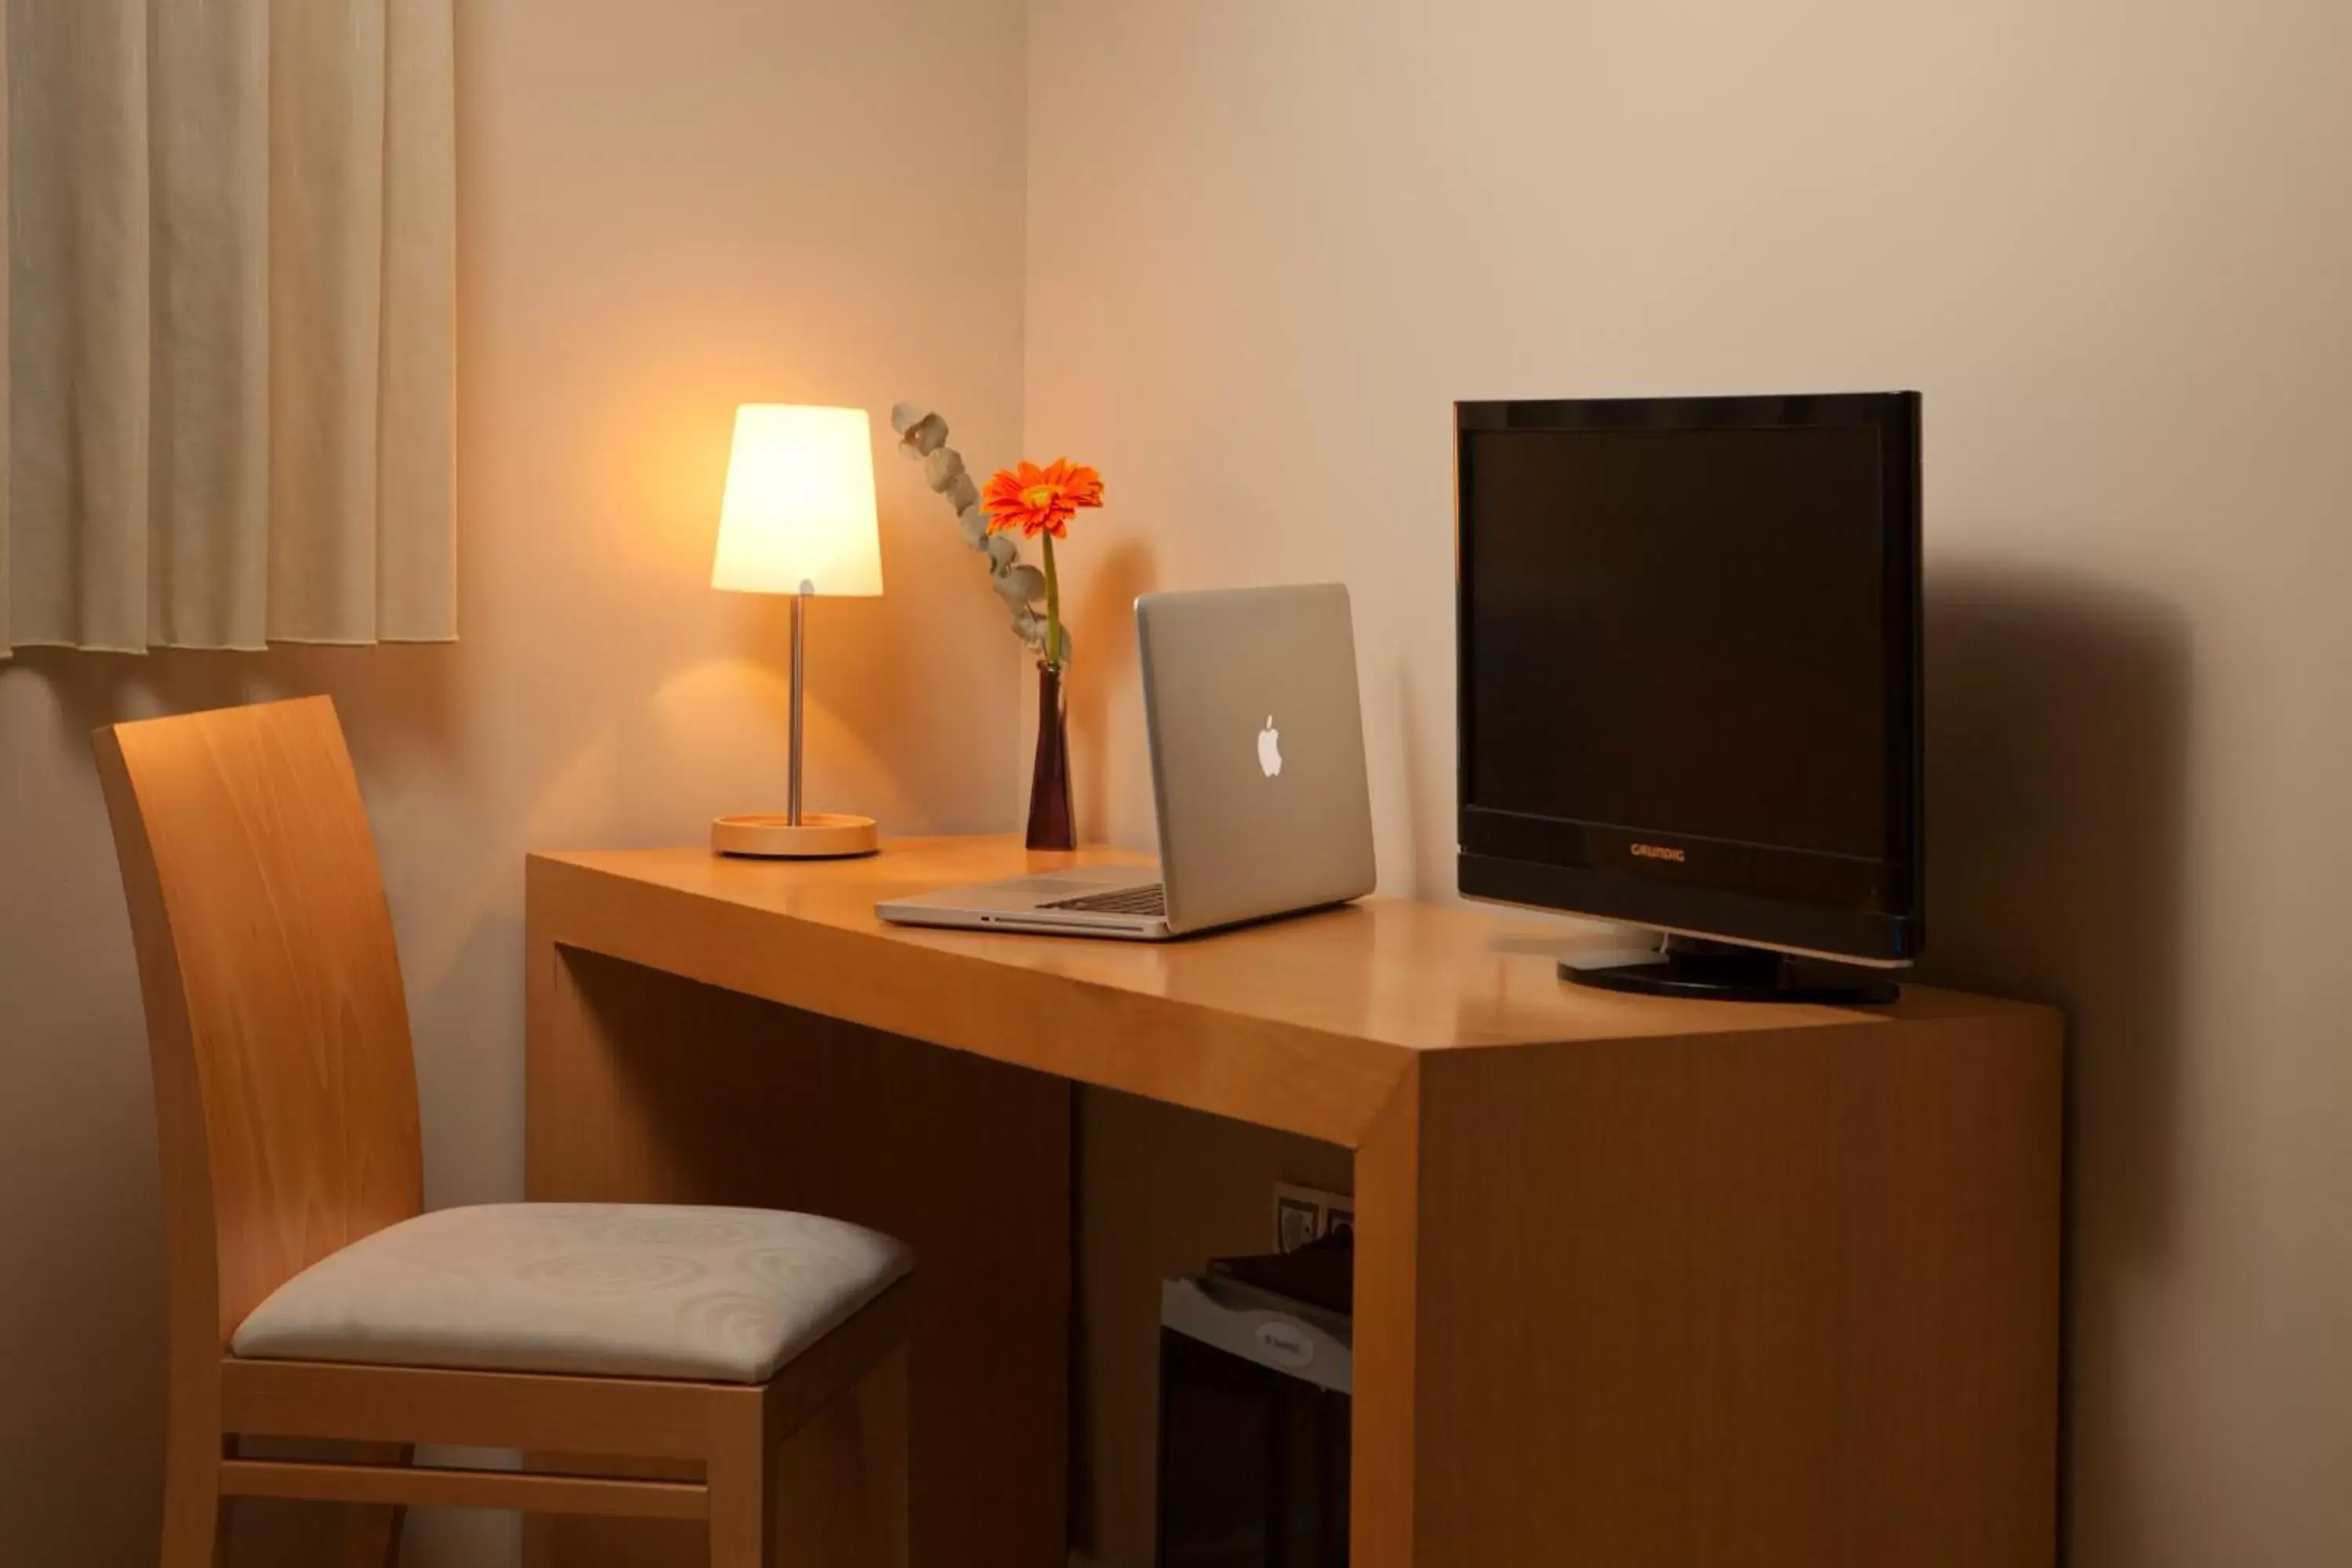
(643, 1088)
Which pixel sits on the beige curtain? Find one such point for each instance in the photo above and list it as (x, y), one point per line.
(228, 320)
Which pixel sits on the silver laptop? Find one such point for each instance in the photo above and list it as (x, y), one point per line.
(1257, 767)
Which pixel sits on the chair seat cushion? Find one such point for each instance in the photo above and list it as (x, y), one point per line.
(718, 1295)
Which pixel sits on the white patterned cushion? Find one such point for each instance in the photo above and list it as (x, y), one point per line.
(619, 1290)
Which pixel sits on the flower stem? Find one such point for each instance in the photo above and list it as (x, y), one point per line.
(1052, 606)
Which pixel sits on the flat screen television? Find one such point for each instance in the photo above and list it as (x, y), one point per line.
(1689, 657)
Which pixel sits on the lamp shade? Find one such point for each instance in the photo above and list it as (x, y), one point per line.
(799, 513)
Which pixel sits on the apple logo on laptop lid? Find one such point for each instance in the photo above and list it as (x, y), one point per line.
(1269, 748)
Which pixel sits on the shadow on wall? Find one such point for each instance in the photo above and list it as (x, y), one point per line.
(2057, 714)
(1102, 637)
(403, 689)
(1422, 775)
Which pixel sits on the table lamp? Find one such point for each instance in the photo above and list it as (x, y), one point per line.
(798, 519)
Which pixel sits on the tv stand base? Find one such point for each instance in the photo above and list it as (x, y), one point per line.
(1696, 968)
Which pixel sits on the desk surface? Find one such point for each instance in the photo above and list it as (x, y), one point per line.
(1305, 1022)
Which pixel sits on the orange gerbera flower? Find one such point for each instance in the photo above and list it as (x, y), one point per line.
(1040, 501)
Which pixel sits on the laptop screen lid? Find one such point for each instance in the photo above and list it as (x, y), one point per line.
(1257, 751)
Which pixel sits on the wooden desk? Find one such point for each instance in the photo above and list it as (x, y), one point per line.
(1639, 1282)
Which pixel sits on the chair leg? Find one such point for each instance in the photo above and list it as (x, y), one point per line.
(739, 1475)
(372, 1530)
(882, 1423)
(195, 1516)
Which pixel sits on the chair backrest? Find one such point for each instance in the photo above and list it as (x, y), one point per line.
(284, 1091)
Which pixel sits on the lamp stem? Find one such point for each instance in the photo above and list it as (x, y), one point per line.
(792, 788)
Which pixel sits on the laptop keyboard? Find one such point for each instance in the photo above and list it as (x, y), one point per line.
(1150, 901)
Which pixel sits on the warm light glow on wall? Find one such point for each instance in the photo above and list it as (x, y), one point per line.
(799, 512)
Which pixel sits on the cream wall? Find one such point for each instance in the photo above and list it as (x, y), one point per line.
(2112, 245)
(663, 209)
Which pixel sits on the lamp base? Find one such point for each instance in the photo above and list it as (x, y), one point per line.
(820, 836)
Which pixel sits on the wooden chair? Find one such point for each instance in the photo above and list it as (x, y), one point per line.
(286, 1109)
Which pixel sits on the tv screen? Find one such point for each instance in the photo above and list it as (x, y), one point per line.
(1689, 664)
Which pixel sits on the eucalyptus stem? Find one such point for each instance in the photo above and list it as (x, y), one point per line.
(1052, 606)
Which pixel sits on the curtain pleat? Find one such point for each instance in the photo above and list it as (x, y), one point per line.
(209, 506)
(77, 333)
(326, 258)
(417, 460)
(229, 319)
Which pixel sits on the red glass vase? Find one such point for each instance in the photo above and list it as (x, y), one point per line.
(1053, 825)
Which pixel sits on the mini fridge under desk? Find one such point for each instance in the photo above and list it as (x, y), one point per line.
(1256, 1372)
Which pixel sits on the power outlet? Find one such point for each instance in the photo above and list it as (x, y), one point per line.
(1303, 1215)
